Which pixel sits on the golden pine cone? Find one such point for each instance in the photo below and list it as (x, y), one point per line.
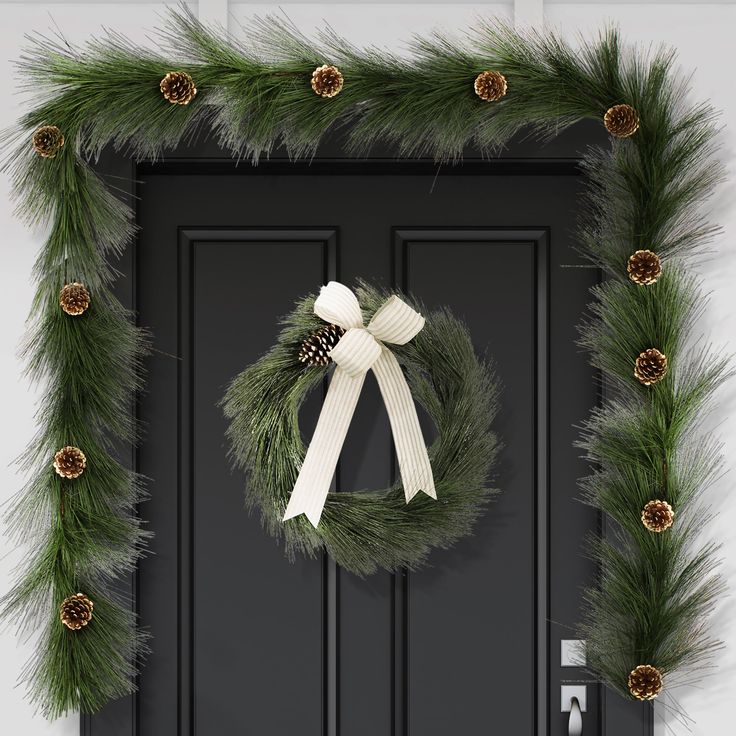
(178, 88)
(657, 516)
(315, 349)
(327, 80)
(644, 267)
(621, 121)
(645, 682)
(76, 611)
(74, 299)
(490, 86)
(47, 141)
(70, 462)
(650, 367)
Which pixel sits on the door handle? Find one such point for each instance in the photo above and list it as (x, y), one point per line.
(575, 724)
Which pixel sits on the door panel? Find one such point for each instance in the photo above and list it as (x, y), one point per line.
(246, 642)
(455, 608)
(234, 278)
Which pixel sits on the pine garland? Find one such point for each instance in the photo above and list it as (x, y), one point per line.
(645, 193)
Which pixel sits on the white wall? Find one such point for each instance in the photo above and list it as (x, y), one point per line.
(702, 32)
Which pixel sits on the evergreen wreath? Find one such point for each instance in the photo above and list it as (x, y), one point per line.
(645, 622)
(364, 531)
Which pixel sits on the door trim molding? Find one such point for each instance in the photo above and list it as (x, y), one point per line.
(126, 174)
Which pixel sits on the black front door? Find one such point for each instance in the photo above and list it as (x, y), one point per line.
(247, 643)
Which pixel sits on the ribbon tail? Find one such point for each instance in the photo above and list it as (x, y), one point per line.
(313, 484)
(416, 472)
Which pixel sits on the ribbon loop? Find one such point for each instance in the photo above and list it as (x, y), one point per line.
(356, 352)
(396, 322)
(359, 350)
(337, 304)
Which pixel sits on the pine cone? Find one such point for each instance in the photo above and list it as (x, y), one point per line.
(178, 88)
(327, 80)
(74, 299)
(644, 267)
(70, 462)
(47, 141)
(315, 349)
(76, 611)
(650, 367)
(621, 121)
(645, 682)
(657, 516)
(490, 86)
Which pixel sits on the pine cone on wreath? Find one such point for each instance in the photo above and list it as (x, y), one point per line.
(74, 299)
(178, 88)
(621, 121)
(75, 611)
(490, 86)
(70, 462)
(644, 267)
(327, 80)
(47, 141)
(315, 349)
(650, 367)
(645, 682)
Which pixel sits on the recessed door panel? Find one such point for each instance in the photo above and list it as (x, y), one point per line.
(456, 609)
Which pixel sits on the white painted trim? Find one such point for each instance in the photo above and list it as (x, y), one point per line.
(213, 12)
(529, 13)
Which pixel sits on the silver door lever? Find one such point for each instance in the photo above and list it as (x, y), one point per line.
(575, 724)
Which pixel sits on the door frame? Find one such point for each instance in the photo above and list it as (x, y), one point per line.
(522, 157)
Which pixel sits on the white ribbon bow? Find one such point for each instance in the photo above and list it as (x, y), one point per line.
(360, 349)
